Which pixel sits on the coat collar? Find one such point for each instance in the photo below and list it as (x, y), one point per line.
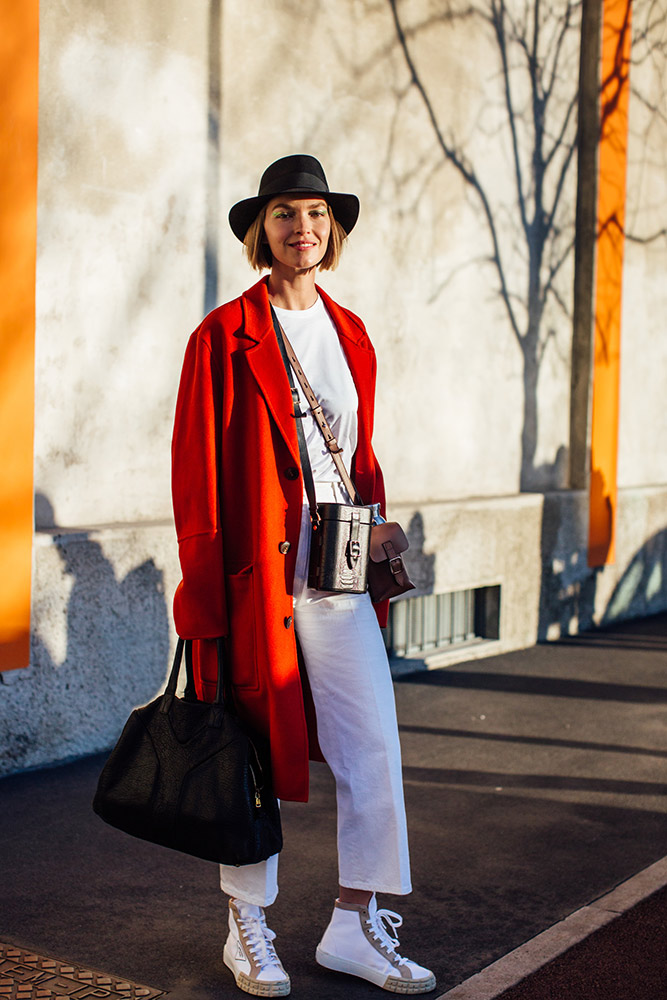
(266, 362)
(258, 323)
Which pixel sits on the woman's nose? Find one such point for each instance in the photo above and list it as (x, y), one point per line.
(302, 223)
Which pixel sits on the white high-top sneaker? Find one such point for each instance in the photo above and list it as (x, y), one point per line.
(250, 954)
(357, 941)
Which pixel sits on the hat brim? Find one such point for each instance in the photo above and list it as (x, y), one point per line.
(243, 214)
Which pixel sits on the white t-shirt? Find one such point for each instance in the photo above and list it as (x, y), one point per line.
(313, 336)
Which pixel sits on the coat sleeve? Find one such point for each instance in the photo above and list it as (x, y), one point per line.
(200, 607)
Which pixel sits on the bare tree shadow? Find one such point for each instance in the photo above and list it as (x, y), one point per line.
(642, 590)
(569, 585)
(534, 236)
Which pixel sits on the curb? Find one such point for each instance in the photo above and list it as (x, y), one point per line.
(517, 965)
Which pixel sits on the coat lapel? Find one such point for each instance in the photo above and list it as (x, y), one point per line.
(266, 363)
(361, 360)
(356, 347)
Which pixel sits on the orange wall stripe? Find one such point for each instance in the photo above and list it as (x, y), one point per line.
(19, 68)
(615, 92)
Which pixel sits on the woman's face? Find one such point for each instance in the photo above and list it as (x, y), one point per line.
(297, 229)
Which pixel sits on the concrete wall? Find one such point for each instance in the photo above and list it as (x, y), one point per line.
(100, 646)
(124, 178)
(120, 271)
(535, 547)
(417, 268)
(154, 119)
(642, 452)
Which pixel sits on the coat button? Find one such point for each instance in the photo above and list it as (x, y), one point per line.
(292, 472)
(284, 548)
(287, 622)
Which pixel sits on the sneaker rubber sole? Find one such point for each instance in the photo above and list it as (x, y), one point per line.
(257, 989)
(394, 984)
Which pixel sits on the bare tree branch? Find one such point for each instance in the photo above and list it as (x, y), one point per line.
(560, 184)
(549, 287)
(539, 100)
(497, 21)
(650, 106)
(613, 84)
(562, 31)
(457, 159)
(559, 140)
(633, 238)
(655, 18)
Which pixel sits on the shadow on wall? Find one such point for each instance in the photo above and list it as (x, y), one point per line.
(642, 590)
(529, 236)
(420, 564)
(116, 652)
(567, 603)
(211, 253)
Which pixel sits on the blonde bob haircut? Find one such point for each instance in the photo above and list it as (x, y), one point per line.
(259, 254)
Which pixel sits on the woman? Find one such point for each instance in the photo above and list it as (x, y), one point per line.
(244, 532)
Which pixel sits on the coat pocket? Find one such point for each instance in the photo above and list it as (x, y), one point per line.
(242, 645)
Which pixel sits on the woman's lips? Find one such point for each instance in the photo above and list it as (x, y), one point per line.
(301, 246)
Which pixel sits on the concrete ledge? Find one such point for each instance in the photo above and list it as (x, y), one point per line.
(516, 966)
(447, 656)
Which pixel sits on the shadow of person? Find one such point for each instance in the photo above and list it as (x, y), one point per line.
(420, 564)
(116, 644)
(117, 630)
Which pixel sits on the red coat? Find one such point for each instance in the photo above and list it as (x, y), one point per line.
(237, 492)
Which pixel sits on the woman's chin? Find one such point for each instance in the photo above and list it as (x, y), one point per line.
(295, 268)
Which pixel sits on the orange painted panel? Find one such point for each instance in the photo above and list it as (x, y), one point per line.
(615, 92)
(19, 68)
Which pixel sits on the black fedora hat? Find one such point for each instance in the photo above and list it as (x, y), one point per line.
(300, 174)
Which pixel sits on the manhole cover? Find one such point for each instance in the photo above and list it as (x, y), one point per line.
(27, 976)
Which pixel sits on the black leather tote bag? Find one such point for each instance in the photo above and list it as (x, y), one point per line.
(188, 775)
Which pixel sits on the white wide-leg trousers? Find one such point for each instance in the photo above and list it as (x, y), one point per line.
(349, 676)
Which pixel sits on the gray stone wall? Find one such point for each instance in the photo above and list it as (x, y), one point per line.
(121, 256)
(100, 645)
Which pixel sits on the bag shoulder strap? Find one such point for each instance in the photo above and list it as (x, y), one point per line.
(292, 364)
(306, 467)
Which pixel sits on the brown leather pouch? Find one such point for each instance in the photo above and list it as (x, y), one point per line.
(387, 575)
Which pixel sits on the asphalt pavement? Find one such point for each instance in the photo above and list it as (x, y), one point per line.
(535, 786)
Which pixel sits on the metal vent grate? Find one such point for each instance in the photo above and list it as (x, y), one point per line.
(431, 621)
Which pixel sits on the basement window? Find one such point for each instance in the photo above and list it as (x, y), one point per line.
(436, 621)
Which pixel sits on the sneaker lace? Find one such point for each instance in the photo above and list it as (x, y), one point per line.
(385, 925)
(260, 939)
